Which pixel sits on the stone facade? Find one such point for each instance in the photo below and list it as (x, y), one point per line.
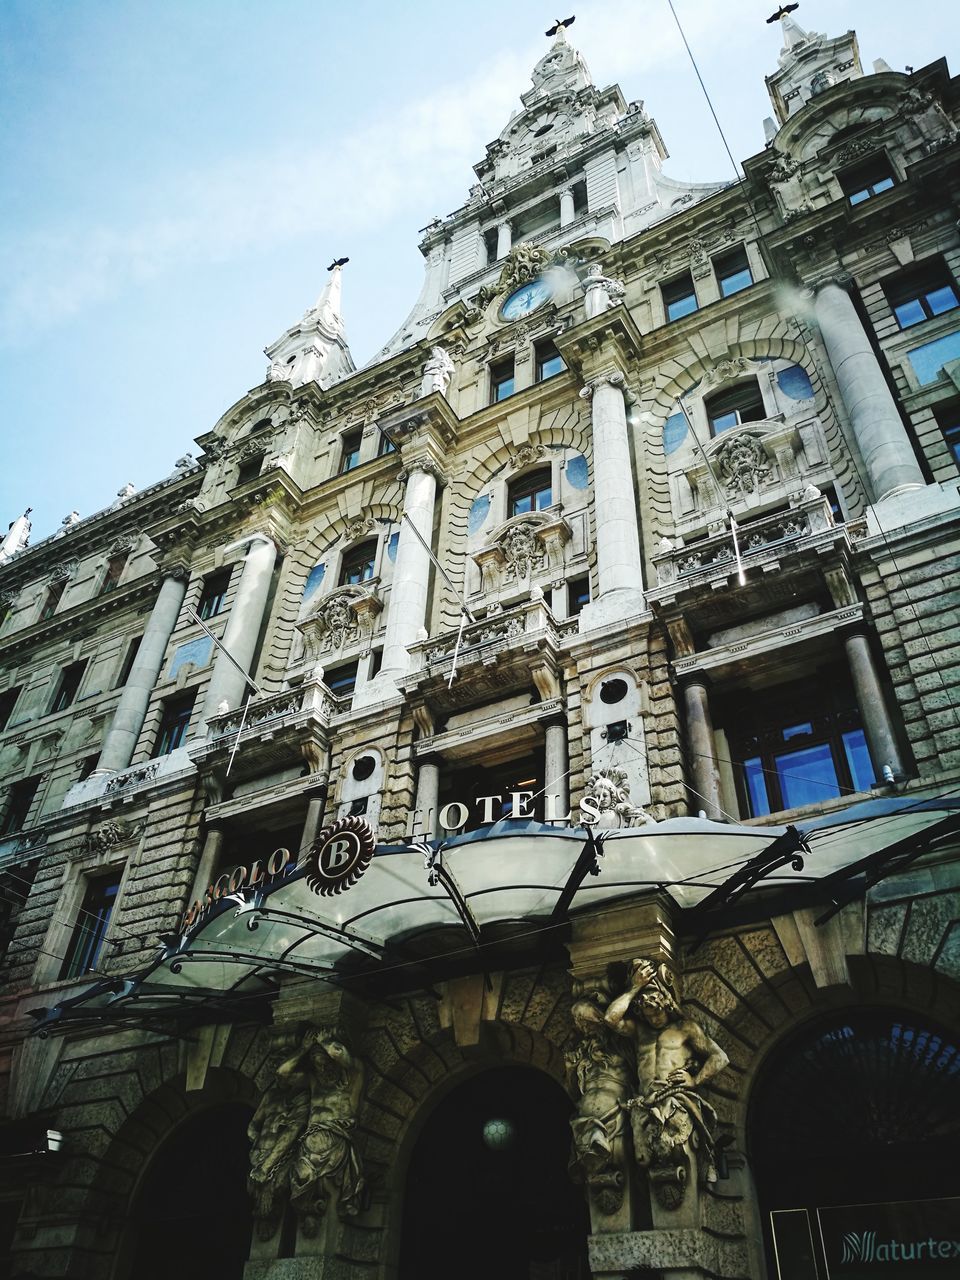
(648, 466)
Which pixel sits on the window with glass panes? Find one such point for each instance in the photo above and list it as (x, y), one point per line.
(174, 723)
(213, 595)
(350, 451)
(797, 744)
(341, 681)
(578, 595)
(549, 361)
(730, 408)
(67, 686)
(358, 563)
(866, 180)
(93, 921)
(52, 599)
(733, 271)
(679, 297)
(502, 380)
(8, 700)
(532, 492)
(948, 420)
(115, 567)
(922, 293)
(19, 799)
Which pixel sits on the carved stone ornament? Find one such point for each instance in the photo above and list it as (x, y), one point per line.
(250, 450)
(742, 464)
(340, 617)
(354, 529)
(302, 1135)
(601, 1080)
(425, 464)
(65, 569)
(724, 370)
(9, 596)
(609, 791)
(215, 449)
(524, 263)
(437, 372)
(672, 1125)
(855, 150)
(523, 457)
(125, 542)
(110, 834)
(522, 549)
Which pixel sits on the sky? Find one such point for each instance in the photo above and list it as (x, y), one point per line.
(176, 177)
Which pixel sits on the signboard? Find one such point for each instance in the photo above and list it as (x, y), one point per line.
(907, 1240)
(340, 855)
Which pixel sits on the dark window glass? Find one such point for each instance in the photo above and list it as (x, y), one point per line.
(927, 291)
(250, 470)
(578, 595)
(502, 380)
(8, 700)
(532, 492)
(385, 446)
(214, 595)
(830, 493)
(261, 425)
(87, 766)
(733, 271)
(174, 724)
(128, 660)
(19, 799)
(742, 403)
(797, 745)
(342, 680)
(350, 451)
(867, 179)
(54, 594)
(67, 686)
(549, 361)
(90, 931)
(115, 567)
(679, 297)
(948, 420)
(358, 563)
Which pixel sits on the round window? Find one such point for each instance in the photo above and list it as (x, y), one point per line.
(363, 768)
(613, 690)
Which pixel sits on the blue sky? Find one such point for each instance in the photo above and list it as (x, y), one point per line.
(175, 178)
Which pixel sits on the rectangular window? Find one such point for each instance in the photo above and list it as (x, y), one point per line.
(679, 297)
(742, 403)
(733, 271)
(341, 681)
(350, 451)
(358, 564)
(948, 420)
(385, 446)
(53, 597)
(532, 492)
(214, 594)
(549, 361)
(93, 921)
(578, 595)
(250, 470)
(19, 799)
(67, 686)
(87, 766)
(798, 744)
(927, 291)
(866, 180)
(115, 568)
(129, 658)
(174, 723)
(8, 700)
(502, 380)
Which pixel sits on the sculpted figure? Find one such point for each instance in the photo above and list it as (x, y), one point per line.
(600, 1075)
(302, 1135)
(675, 1057)
(606, 802)
(437, 372)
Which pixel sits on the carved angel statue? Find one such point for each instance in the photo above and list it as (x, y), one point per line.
(303, 1135)
(437, 372)
(672, 1125)
(606, 802)
(601, 1077)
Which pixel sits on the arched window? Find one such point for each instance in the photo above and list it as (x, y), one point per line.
(358, 563)
(735, 405)
(530, 492)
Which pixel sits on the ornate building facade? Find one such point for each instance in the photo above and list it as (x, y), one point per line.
(494, 811)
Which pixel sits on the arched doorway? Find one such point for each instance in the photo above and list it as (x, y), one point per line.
(191, 1216)
(487, 1190)
(852, 1131)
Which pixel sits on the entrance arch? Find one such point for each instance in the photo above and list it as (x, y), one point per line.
(856, 1113)
(488, 1191)
(191, 1215)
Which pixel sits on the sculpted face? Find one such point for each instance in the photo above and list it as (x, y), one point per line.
(653, 1007)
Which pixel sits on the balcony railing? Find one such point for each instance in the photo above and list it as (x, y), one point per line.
(530, 625)
(312, 699)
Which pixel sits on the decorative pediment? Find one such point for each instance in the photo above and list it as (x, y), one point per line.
(523, 547)
(342, 618)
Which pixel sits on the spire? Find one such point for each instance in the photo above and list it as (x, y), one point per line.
(793, 35)
(315, 350)
(810, 62)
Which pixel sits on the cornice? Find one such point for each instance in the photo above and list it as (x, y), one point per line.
(611, 337)
(81, 615)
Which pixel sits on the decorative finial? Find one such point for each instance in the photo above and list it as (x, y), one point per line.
(784, 11)
(560, 25)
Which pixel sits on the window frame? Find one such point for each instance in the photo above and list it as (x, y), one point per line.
(113, 572)
(364, 553)
(98, 901)
(737, 255)
(342, 680)
(51, 600)
(858, 192)
(175, 717)
(545, 352)
(914, 288)
(65, 695)
(732, 394)
(672, 286)
(576, 606)
(348, 452)
(211, 593)
(503, 373)
(947, 418)
(15, 814)
(8, 704)
(250, 470)
(531, 484)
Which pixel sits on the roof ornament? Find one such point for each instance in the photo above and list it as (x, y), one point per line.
(559, 28)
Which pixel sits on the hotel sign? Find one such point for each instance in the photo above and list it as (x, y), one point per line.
(339, 856)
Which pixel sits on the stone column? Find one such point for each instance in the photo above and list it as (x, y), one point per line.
(556, 766)
(315, 807)
(567, 207)
(121, 740)
(881, 437)
(407, 606)
(428, 794)
(877, 725)
(209, 861)
(504, 238)
(619, 564)
(243, 628)
(703, 751)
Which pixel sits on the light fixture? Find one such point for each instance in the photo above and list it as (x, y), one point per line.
(498, 1134)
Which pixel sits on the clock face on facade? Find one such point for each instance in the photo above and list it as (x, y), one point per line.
(526, 299)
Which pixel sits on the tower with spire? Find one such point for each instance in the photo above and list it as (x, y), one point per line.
(810, 62)
(315, 349)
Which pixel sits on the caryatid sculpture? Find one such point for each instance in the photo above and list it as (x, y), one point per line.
(302, 1135)
(437, 372)
(671, 1122)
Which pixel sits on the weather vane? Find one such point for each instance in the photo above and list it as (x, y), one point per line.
(783, 12)
(560, 23)
(338, 262)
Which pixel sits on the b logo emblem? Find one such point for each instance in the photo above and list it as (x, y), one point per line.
(339, 856)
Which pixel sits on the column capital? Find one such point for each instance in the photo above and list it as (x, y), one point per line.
(613, 378)
(591, 346)
(175, 569)
(420, 460)
(249, 539)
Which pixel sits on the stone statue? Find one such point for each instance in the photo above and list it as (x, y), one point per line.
(606, 802)
(675, 1057)
(600, 292)
(600, 1076)
(302, 1136)
(742, 464)
(437, 372)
